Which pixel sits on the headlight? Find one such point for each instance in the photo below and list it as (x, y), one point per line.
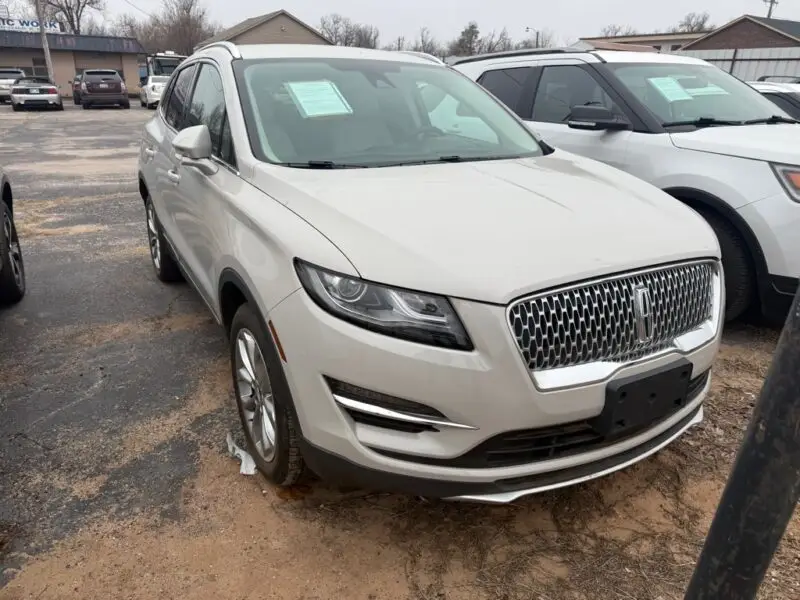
(789, 176)
(413, 316)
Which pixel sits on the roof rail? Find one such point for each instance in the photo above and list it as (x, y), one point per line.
(523, 52)
(229, 46)
(424, 55)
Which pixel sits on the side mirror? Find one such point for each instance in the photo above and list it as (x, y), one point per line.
(596, 118)
(193, 147)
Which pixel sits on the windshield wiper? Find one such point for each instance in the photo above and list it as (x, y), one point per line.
(771, 120)
(701, 122)
(321, 164)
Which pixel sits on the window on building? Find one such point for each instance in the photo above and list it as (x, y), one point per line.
(39, 66)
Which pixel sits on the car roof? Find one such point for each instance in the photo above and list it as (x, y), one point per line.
(254, 51)
(586, 55)
(771, 86)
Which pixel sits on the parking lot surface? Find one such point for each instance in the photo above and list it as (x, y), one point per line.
(115, 399)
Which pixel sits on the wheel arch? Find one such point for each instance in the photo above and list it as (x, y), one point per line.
(7, 196)
(700, 200)
(232, 293)
(143, 191)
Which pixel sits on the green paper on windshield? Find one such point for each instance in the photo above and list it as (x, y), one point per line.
(670, 88)
(318, 99)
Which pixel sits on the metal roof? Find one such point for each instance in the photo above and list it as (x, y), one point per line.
(76, 43)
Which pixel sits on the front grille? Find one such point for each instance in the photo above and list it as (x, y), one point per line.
(545, 443)
(597, 321)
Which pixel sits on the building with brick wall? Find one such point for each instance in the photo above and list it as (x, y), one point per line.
(748, 32)
(71, 54)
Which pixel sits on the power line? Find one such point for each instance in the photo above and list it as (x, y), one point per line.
(144, 12)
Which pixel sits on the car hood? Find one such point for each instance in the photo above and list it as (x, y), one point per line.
(774, 143)
(493, 230)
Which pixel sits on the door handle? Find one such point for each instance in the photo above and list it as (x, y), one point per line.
(149, 152)
(173, 176)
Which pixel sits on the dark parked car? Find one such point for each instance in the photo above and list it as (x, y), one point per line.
(103, 87)
(12, 269)
(76, 88)
(785, 96)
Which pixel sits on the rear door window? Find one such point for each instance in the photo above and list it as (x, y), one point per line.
(506, 84)
(789, 103)
(179, 97)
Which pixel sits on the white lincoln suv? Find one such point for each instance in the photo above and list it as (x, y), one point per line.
(419, 295)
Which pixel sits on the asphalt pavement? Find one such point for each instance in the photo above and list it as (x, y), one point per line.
(98, 346)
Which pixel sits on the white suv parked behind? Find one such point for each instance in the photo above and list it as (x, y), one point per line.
(470, 315)
(688, 128)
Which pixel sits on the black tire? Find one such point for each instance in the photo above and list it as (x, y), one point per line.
(75, 100)
(126, 106)
(152, 106)
(142, 102)
(740, 275)
(16, 107)
(86, 106)
(164, 264)
(287, 466)
(60, 106)
(12, 288)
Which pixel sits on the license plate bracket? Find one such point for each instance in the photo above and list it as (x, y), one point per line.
(632, 403)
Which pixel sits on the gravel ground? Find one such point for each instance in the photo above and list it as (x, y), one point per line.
(115, 401)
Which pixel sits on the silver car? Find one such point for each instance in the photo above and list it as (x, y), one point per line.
(419, 294)
(150, 93)
(35, 92)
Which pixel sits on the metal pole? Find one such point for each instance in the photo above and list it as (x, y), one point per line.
(764, 485)
(45, 45)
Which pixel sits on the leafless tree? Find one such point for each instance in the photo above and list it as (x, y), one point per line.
(693, 23)
(20, 9)
(180, 26)
(398, 44)
(615, 30)
(342, 31)
(425, 42)
(543, 38)
(495, 42)
(73, 13)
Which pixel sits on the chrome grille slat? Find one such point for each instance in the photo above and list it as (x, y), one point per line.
(596, 321)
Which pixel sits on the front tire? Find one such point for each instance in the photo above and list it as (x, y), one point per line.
(265, 409)
(15, 107)
(740, 276)
(165, 266)
(12, 267)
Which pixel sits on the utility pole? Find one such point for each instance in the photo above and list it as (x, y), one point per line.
(763, 487)
(45, 45)
(772, 4)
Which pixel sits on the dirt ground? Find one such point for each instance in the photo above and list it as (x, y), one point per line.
(115, 483)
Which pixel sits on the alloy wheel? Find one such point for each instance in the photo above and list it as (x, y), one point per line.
(14, 251)
(153, 237)
(254, 394)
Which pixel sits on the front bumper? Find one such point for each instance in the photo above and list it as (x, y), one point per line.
(36, 99)
(485, 393)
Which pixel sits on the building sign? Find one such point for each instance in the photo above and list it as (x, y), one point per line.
(30, 25)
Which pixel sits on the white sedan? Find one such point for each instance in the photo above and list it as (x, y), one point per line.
(150, 94)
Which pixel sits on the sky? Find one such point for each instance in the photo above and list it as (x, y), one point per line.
(567, 19)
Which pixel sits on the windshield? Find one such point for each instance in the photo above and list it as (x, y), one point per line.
(368, 113)
(11, 74)
(165, 66)
(33, 80)
(677, 92)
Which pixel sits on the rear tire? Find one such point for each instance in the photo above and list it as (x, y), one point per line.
(12, 267)
(16, 107)
(126, 106)
(283, 464)
(75, 100)
(164, 264)
(86, 106)
(740, 277)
